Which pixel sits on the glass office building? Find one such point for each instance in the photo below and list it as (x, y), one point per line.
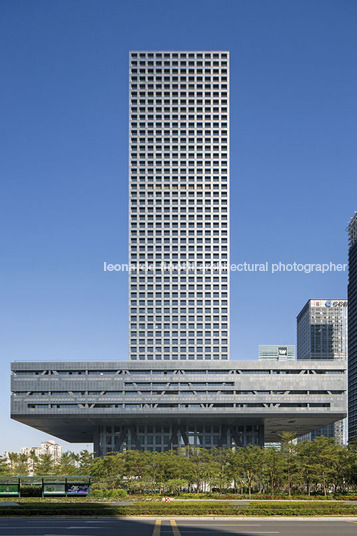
(322, 330)
(352, 331)
(322, 335)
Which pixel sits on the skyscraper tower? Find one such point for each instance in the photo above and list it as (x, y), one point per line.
(322, 330)
(322, 335)
(352, 330)
(179, 205)
(179, 214)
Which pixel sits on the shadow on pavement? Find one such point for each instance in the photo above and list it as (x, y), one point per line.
(90, 526)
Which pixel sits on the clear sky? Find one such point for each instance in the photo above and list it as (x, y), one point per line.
(64, 165)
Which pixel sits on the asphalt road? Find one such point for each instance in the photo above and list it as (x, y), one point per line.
(59, 526)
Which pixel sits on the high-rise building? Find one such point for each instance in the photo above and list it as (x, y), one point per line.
(47, 447)
(322, 330)
(179, 205)
(352, 330)
(178, 388)
(336, 430)
(278, 352)
(322, 335)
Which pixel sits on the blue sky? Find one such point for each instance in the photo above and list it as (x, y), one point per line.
(64, 165)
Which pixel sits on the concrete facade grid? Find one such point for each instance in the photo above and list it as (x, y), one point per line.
(75, 400)
(179, 204)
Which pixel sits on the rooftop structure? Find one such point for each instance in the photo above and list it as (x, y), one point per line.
(279, 352)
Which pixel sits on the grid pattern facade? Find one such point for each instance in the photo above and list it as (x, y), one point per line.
(163, 405)
(179, 205)
(352, 230)
(160, 437)
(322, 334)
(322, 330)
(336, 430)
(352, 331)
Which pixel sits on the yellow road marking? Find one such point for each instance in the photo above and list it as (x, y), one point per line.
(157, 528)
(175, 529)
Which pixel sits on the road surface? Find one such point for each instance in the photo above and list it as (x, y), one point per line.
(74, 526)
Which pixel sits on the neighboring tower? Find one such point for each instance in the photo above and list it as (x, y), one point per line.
(278, 352)
(322, 330)
(179, 205)
(47, 447)
(352, 330)
(322, 335)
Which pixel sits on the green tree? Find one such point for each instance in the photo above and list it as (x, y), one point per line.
(273, 468)
(156, 469)
(85, 461)
(305, 464)
(5, 468)
(97, 469)
(235, 468)
(22, 466)
(197, 465)
(341, 468)
(252, 458)
(352, 464)
(324, 458)
(13, 459)
(171, 465)
(309, 466)
(218, 469)
(108, 471)
(68, 464)
(137, 467)
(44, 465)
(288, 450)
(114, 468)
(175, 485)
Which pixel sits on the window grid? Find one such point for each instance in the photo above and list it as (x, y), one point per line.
(179, 203)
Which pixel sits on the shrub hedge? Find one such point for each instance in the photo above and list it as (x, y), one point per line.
(109, 493)
(182, 509)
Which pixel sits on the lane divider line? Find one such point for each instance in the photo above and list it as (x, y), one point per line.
(157, 528)
(174, 527)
